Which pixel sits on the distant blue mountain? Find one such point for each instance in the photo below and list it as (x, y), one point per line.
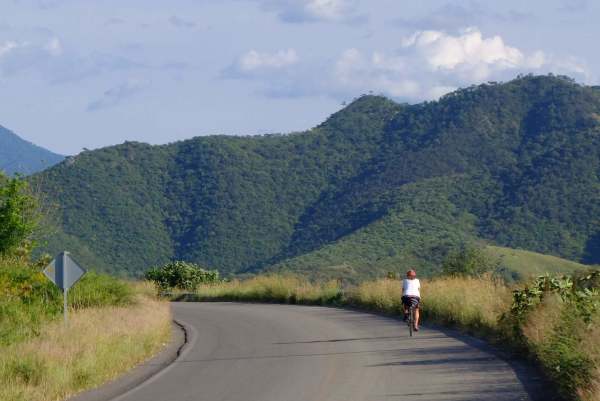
(22, 157)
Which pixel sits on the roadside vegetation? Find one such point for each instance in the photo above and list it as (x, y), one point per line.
(553, 320)
(113, 325)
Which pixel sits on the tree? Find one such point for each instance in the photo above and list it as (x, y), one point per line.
(180, 275)
(469, 260)
(18, 214)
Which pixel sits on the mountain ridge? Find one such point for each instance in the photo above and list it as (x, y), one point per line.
(515, 164)
(23, 157)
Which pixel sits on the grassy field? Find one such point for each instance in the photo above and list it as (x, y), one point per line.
(566, 347)
(113, 326)
(528, 264)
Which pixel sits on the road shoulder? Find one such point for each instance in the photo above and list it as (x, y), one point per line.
(141, 373)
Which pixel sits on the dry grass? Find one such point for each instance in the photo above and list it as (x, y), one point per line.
(381, 295)
(96, 346)
(591, 343)
(474, 304)
(285, 289)
(541, 321)
(593, 393)
(471, 303)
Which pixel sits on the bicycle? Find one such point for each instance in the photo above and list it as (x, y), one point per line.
(411, 320)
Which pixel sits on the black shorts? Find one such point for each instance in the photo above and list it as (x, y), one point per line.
(411, 301)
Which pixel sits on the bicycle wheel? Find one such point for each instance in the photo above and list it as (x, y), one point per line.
(411, 321)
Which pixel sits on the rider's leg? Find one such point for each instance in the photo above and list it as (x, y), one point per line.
(417, 315)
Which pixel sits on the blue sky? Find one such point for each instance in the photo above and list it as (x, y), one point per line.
(83, 73)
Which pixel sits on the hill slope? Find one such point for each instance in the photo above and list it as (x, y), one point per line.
(528, 264)
(516, 164)
(20, 156)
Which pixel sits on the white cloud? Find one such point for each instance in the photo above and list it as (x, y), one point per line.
(47, 58)
(332, 10)
(7, 47)
(255, 63)
(54, 47)
(470, 48)
(297, 11)
(424, 66)
(429, 64)
(179, 22)
(356, 72)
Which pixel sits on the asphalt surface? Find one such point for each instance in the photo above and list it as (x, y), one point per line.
(255, 352)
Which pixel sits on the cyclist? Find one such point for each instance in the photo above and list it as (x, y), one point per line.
(411, 295)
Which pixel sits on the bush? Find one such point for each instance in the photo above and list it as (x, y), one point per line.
(469, 260)
(557, 343)
(18, 214)
(28, 299)
(181, 275)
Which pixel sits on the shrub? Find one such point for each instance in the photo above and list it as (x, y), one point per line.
(18, 214)
(557, 342)
(181, 275)
(28, 298)
(469, 260)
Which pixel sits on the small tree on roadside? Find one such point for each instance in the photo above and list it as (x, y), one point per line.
(180, 275)
(468, 260)
(19, 214)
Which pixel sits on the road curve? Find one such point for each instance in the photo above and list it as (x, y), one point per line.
(256, 352)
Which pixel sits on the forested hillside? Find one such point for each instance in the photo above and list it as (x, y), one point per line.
(20, 156)
(377, 186)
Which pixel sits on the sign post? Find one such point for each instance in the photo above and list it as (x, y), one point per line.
(64, 272)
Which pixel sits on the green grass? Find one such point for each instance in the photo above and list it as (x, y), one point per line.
(529, 264)
(96, 289)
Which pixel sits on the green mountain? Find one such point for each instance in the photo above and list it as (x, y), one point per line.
(20, 156)
(377, 186)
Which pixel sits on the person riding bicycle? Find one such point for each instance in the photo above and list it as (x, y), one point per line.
(411, 295)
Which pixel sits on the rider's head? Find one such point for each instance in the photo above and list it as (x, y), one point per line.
(411, 273)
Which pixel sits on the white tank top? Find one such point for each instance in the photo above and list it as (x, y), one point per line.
(411, 288)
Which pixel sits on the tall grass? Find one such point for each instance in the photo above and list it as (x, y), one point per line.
(591, 343)
(97, 345)
(474, 304)
(380, 295)
(282, 289)
(99, 290)
(112, 327)
(565, 347)
(28, 299)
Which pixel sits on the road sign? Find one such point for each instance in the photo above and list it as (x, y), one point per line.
(64, 272)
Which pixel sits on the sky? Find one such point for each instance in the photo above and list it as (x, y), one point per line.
(78, 74)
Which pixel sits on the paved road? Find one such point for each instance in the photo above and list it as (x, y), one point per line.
(242, 352)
